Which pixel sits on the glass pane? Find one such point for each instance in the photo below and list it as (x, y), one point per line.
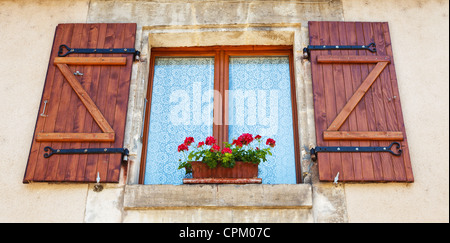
(181, 106)
(260, 103)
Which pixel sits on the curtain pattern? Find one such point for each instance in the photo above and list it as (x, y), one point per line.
(181, 106)
(260, 103)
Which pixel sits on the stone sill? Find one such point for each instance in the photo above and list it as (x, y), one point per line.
(138, 197)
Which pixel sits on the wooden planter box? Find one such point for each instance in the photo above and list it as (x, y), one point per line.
(241, 173)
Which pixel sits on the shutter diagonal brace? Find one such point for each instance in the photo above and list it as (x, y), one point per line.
(332, 132)
(107, 134)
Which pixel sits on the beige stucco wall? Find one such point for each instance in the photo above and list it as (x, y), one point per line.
(420, 35)
(27, 28)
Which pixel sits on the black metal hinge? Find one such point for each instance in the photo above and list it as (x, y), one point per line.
(307, 50)
(122, 151)
(69, 51)
(314, 151)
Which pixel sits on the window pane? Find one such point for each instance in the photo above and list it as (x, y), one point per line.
(181, 106)
(260, 103)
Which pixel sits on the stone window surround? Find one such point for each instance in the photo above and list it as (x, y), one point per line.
(262, 196)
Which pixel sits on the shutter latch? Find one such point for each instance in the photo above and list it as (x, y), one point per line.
(314, 151)
(307, 50)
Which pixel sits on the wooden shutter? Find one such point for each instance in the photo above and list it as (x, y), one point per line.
(357, 103)
(87, 111)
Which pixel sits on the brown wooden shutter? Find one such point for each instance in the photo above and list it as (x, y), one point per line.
(357, 103)
(88, 111)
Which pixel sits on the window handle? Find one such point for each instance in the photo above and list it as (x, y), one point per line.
(43, 110)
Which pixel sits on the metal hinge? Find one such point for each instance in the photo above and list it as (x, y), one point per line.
(133, 51)
(122, 151)
(314, 151)
(307, 50)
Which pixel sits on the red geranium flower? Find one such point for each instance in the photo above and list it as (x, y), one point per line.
(270, 142)
(245, 138)
(215, 148)
(226, 150)
(183, 147)
(200, 144)
(210, 140)
(189, 140)
(257, 137)
(237, 143)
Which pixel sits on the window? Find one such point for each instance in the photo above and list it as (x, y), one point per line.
(224, 92)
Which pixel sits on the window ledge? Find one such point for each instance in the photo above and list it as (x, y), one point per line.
(139, 197)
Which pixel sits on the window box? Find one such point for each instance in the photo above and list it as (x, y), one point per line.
(241, 173)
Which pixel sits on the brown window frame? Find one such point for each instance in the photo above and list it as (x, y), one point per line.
(221, 56)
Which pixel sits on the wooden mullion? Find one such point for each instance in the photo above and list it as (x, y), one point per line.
(348, 159)
(358, 123)
(93, 36)
(225, 95)
(97, 80)
(217, 110)
(67, 114)
(317, 74)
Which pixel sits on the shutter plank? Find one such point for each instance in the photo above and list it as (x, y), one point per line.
(319, 100)
(113, 165)
(348, 32)
(121, 107)
(370, 105)
(66, 114)
(345, 165)
(332, 98)
(97, 35)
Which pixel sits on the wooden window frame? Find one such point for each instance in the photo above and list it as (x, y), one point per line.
(221, 56)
